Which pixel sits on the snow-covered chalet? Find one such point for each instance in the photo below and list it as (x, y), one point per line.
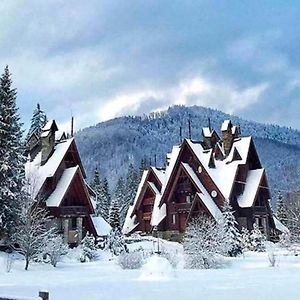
(198, 178)
(57, 180)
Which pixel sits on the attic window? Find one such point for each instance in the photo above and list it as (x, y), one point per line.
(214, 194)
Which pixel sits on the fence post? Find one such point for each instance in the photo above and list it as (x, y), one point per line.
(44, 295)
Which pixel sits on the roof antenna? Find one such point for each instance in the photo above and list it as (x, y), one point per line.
(190, 130)
(72, 126)
(209, 125)
(155, 160)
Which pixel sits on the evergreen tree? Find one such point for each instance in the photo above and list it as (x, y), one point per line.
(232, 236)
(130, 188)
(38, 120)
(88, 248)
(100, 187)
(281, 213)
(245, 240)
(114, 215)
(257, 240)
(12, 159)
(116, 242)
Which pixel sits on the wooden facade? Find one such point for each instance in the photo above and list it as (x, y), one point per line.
(59, 179)
(199, 177)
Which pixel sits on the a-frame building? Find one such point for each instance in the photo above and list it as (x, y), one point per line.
(57, 181)
(199, 177)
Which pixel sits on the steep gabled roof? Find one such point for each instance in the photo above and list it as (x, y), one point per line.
(252, 185)
(56, 197)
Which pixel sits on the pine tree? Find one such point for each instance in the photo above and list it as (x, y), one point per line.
(114, 215)
(100, 187)
(119, 196)
(88, 248)
(232, 236)
(245, 240)
(257, 240)
(12, 160)
(38, 120)
(281, 213)
(130, 188)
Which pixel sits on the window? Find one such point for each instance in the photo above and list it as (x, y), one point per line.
(188, 198)
(73, 223)
(173, 219)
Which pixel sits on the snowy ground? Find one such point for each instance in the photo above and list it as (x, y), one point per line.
(248, 277)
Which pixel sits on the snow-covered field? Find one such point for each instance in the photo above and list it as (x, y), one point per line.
(248, 277)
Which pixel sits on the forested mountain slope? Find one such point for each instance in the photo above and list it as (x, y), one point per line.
(114, 144)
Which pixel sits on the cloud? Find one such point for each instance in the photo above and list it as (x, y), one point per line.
(190, 91)
(101, 59)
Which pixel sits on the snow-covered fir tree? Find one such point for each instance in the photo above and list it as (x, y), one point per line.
(245, 240)
(281, 212)
(88, 248)
(100, 187)
(232, 236)
(257, 240)
(116, 242)
(114, 214)
(38, 120)
(130, 188)
(12, 159)
(119, 197)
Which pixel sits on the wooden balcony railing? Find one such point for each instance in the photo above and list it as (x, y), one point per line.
(182, 207)
(74, 210)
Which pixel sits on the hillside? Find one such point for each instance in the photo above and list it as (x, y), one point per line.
(114, 144)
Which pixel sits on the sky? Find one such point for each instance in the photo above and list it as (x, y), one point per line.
(99, 59)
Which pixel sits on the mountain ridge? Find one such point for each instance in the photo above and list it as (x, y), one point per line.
(114, 144)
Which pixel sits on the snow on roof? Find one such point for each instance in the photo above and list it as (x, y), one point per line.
(252, 184)
(37, 174)
(54, 200)
(161, 174)
(48, 125)
(225, 125)
(279, 226)
(101, 226)
(225, 171)
(204, 194)
(206, 132)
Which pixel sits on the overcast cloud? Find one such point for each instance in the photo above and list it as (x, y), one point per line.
(101, 59)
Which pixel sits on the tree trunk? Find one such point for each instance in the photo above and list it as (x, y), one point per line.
(27, 263)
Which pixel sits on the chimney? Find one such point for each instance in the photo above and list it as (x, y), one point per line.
(227, 136)
(48, 140)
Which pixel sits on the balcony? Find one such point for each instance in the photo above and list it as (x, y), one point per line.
(260, 210)
(73, 211)
(183, 207)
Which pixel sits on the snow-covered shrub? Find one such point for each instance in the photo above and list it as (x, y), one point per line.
(116, 242)
(131, 260)
(272, 258)
(172, 257)
(285, 240)
(9, 262)
(89, 251)
(202, 244)
(55, 249)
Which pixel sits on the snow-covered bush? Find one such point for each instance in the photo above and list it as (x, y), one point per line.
(131, 260)
(55, 249)
(116, 242)
(89, 251)
(285, 240)
(172, 257)
(202, 244)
